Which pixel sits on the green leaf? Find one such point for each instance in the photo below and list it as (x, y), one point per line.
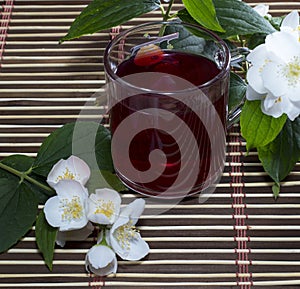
(276, 21)
(276, 190)
(203, 11)
(104, 14)
(104, 179)
(21, 166)
(280, 156)
(114, 181)
(45, 238)
(256, 39)
(42, 193)
(20, 163)
(237, 91)
(56, 146)
(186, 40)
(87, 140)
(258, 128)
(236, 17)
(18, 203)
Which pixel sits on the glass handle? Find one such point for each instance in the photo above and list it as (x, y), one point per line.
(238, 55)
(234, 116)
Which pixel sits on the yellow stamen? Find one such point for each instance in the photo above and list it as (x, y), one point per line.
(291, 71)
(72, 210)
(266, 61)
(66, 175)
(105, 208)
(125, 234)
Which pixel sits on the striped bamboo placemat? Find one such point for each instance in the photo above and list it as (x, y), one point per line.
(239, 238)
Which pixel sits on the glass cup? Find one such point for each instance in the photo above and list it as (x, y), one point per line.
(167, 86)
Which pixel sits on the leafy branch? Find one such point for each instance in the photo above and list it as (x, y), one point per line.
(23, 179)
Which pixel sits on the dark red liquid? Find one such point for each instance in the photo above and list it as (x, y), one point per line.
(197, 70)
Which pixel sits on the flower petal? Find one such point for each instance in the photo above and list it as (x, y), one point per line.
(74, 235)
(51, 210)
(293, 114)
(282, 44)
(121, 221)
(275, 106)
(262, 9)
(74, 224)
(100, 256)
(291, 20)
(133, 210)
(251, 94)
(258, 55)
(293, 110)
(81, 169)
(255, 80)
(111, 268)
(56, 171)
(138, 249)
(269, 101)
(65, 188)
(274, 80)
(116, 242)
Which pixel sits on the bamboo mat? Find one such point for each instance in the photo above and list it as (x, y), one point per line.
(239, 238)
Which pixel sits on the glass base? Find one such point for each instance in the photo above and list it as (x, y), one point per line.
(146, 191)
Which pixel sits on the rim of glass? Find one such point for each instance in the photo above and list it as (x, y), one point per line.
(111, 44)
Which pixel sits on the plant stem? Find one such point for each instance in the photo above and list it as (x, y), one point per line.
(103, 231)
(167, 14)
(162, 9)
(166, 17)
(24, 175)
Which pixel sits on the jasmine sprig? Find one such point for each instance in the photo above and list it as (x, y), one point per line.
(73, 210)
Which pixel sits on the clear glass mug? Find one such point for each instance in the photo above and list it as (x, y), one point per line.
(167, 86)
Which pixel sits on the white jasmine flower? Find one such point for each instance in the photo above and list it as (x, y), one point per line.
(67, 210)
(73, 168)
(125, 239)
(274, 76)
(101, 259)
(262, 10)
(74, 235)
(103, 206)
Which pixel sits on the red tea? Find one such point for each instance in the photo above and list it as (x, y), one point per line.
(193, 68)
